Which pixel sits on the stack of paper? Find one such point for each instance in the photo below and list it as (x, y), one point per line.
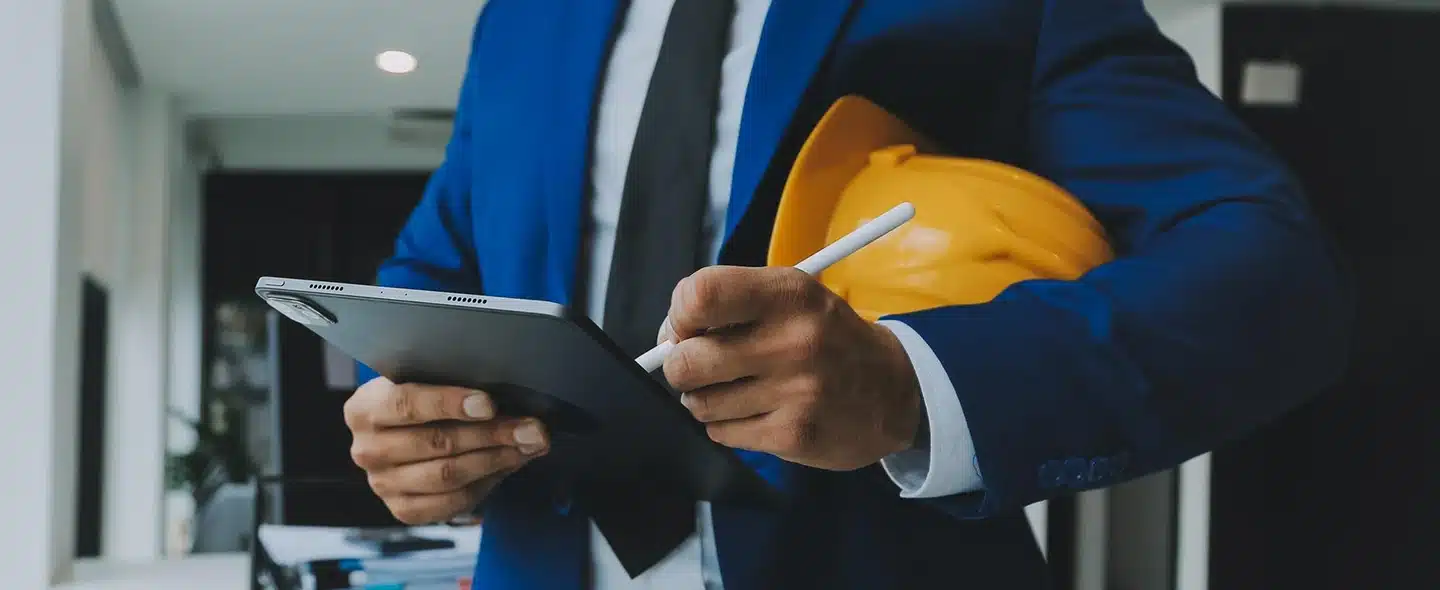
(308, 549)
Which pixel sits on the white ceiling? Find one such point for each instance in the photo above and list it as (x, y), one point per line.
(298, 57)
(301, 57)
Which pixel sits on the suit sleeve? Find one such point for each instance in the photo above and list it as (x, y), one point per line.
(1224, 308)
(435, 250)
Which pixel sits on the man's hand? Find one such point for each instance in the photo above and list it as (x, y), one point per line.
(772, 361)
(433, 453)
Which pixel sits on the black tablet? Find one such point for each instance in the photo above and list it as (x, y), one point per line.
(612, 424)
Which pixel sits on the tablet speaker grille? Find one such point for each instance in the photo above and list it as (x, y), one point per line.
(324, 287)
(457, 299)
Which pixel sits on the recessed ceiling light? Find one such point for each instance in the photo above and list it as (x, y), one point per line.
(396, 62)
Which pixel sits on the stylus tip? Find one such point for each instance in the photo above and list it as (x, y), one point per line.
(655, 358)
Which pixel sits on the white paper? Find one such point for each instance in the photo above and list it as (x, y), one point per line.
(292, 545)
(1270, 83)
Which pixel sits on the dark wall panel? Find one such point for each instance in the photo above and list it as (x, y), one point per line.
(1342, 493)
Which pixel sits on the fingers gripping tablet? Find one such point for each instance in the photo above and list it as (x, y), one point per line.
(613, 423)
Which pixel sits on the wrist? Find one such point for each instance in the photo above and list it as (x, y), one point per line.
(906, 424)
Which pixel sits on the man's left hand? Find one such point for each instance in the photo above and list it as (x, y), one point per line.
(772, 361)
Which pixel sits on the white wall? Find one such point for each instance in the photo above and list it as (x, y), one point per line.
(139, 237)
(40, 137)
(1194, 25)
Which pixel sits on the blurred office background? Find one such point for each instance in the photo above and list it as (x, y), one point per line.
(158, 156)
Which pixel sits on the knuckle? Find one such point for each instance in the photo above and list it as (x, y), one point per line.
(378, 484)
(495, 434)
(409, 512)
(679, 297)
(358, 410)
(808, 389)
(364, 455)
(402, 405)
(675, 370)
(718, 434)
(682, 369)
(434, 406)
(701, 407)
(449, 474)
(376, 384)
(804, 339)
(441, 440)
(354, 416)
(705, 288)
(805, 291)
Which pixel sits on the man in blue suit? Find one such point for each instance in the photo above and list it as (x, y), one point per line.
(605, 150)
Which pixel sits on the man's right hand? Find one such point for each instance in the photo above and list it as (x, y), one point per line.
(433, 453)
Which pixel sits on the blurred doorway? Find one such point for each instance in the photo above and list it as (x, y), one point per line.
(260, 417)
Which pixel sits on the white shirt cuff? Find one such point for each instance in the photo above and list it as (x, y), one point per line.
(948, 466)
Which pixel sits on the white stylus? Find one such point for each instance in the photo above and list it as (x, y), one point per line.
(852, 242)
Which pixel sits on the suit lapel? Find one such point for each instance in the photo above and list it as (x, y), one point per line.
(579, 49)
(797, 36)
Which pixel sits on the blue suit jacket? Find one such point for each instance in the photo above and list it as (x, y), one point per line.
(1224, 309)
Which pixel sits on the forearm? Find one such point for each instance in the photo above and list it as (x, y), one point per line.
(1235, 315)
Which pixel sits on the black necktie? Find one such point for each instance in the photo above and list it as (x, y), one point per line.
(659, 237)
(658, 242)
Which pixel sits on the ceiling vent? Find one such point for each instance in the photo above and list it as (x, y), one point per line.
(424, 128)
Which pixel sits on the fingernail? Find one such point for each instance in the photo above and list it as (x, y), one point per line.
(529, 435)
(529, 451)
(478, 407)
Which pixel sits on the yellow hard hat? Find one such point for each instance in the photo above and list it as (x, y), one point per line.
(979, 226)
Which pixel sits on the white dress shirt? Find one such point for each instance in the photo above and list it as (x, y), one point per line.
(947, 467)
